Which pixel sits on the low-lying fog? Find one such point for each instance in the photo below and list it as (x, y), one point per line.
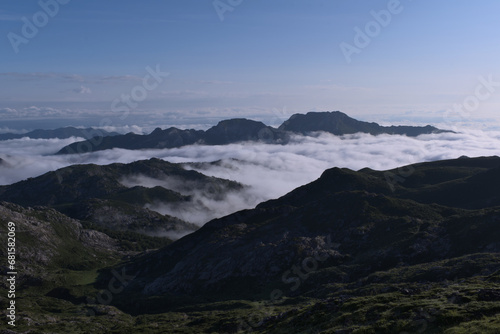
(269, 171)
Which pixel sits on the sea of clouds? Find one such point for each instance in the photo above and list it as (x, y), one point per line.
(269, 171)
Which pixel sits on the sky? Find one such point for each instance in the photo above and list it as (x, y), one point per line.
(191, 63)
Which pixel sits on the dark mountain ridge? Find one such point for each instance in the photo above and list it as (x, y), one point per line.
(239, 130)
(352, 252)
(97, 194)
(339, 124)
(352, 219)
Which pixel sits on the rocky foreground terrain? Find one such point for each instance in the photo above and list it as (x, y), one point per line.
(410, 250)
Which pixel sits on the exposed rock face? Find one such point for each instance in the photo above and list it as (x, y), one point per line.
(352, 250)
(351, 221)
(117, 216)
(47, 239)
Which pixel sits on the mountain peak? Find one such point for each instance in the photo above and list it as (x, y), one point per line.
(156, 131)
(239, 122)
(241, 129)
(338, 123)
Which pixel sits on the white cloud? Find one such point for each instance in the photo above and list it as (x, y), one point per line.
(26, 157)
(8, 112)
(82, 90)
(32, 112)
(270, 170)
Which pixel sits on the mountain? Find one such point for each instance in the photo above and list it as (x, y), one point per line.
(353, 252)
(226, 132)
(159, 138)
(61, 133)
(239, 130)
(352, 207)
(108, 197)
(47, 240)
(55, 259)
(339, 124)
(347, 242)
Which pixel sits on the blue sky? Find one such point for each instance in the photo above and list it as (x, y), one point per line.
(264, 60)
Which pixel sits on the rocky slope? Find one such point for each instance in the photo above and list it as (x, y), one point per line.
(353, 221)
(352, 252)
(47, 240)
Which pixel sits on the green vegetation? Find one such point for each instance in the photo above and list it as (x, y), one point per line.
(97, 194)
(386, 262)
(131, 241)
(467, 305)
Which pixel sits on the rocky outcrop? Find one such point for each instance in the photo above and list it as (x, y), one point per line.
(46, 239)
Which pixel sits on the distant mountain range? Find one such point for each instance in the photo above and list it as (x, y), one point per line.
(339, 124)
(61, 133)
(239, 130)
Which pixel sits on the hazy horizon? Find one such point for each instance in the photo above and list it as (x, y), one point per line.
(128, 67)
(191, 63)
